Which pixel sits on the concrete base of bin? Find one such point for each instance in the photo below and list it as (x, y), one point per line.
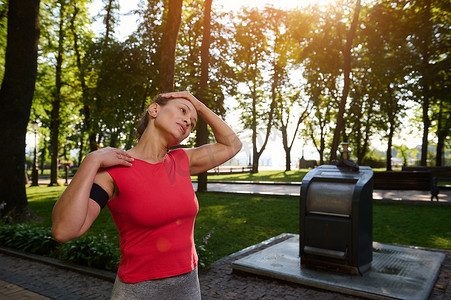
(396, 272)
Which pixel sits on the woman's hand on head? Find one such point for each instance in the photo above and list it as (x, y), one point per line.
(108, 157)
(185, 95)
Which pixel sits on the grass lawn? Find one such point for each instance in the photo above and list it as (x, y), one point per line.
(281, 176)
(278, 175)
(227, 223)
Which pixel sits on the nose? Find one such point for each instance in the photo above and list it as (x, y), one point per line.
(187, 122)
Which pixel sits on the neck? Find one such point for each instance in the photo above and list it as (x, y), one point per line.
(149, 150)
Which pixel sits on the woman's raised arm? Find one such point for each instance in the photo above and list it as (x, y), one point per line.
(208, 156)
(74, 212)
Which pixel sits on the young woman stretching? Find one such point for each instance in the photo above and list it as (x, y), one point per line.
(151, 198)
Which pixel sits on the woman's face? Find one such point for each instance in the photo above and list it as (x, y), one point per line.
(177, 119)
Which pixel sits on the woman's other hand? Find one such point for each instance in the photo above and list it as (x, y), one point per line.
(108, 157)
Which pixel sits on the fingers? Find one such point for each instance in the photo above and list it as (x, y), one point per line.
(111, 156)
(185, 94)
(124, 158)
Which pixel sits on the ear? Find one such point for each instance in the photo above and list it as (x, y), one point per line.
(153, 110)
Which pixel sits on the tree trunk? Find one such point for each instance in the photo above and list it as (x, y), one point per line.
(109, 20)
(56, 104)
(347, 82)
(254, 132)
(426, 40)
(42, 155)
(390, 145)
(168, 45)
(16, 96)
(443, 127)
(257, 153)
(202, 130)
(84, 92)
(268, 132)
(286, 148)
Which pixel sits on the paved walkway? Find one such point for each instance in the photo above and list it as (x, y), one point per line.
(34, 277)
(29, 278)
(293, 189)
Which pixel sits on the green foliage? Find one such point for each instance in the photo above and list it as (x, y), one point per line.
(373, 162)
(91, 251)
(28, 238)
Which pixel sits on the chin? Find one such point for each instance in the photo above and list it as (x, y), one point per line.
(175, 143)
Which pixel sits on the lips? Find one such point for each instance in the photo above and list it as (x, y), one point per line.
(182, 128)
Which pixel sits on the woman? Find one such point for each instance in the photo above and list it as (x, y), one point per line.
(150, 195)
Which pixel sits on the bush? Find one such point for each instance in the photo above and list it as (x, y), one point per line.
(89, 250)
(28, 238)
(72, 171)
(92, 251)
(374, 163)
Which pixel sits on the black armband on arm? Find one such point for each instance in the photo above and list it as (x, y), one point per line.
(99, 195)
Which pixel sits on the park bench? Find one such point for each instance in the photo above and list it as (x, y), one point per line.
(441, 176)
(225, 170)
(406, 180)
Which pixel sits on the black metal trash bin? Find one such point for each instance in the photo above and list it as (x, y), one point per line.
(336, 219)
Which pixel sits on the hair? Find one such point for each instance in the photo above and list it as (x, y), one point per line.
(144, 120)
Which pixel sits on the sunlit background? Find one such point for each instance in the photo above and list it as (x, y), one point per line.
(274, 152)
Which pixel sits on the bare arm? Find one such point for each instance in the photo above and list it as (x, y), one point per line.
(74, 212)
(227, 144)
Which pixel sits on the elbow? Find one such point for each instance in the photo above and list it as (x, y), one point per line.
(238, 145)
(60, 235)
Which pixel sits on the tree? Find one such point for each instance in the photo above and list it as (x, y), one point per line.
(318, 123)
(426, 35)
(380, 75)
(78, 41)
(250, 59)
(148, 39)
(168, 44)
(321, 60)
(429, 45)
(57, 98)
(441, 94)
(443, 129)
(3, 35)
(284, 94)
(110, 18)
(347, 81)
(16, 96)
(202, 130)
(362, 116)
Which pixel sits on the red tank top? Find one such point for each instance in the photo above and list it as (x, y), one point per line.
(154, 213)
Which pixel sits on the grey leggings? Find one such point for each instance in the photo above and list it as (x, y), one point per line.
(185, 286)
